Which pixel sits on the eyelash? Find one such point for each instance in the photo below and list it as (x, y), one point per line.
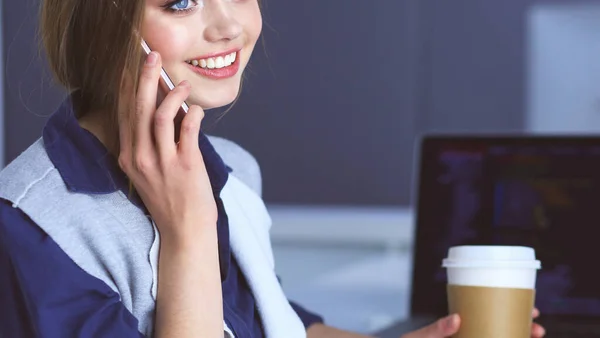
(168, 7)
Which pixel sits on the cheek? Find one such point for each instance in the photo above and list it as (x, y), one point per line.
(171, 42)
(252, 21)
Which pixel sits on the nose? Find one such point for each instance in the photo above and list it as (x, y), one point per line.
(222, 23)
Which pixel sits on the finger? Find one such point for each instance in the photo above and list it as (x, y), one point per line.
(146, 104)
(537, 331)
(535, 313)
(442, 328)
(449, 326)
(190, 129)
(164, 126)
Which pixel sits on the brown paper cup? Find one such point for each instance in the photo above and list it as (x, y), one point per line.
(492, 289)
(492, 312)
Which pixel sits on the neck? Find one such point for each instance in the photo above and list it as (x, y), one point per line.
(95, 123)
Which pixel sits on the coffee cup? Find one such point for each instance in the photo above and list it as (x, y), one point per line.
(492, 288)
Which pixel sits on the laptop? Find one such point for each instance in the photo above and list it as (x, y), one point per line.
(538, 191)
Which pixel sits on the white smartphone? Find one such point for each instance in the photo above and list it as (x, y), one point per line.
(167, 83)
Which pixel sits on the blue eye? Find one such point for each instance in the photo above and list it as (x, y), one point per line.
(181, 6)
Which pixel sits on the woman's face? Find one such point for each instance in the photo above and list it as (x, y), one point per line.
(207, 42)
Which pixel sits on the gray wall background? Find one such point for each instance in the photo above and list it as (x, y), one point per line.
(332, 110)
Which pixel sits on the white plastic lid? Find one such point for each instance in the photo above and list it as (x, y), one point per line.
(481, 256)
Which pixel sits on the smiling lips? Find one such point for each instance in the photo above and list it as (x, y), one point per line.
(217, 67)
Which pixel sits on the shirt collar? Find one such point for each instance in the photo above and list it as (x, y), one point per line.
(86, 165)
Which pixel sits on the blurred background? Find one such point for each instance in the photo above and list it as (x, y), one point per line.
(333, 105)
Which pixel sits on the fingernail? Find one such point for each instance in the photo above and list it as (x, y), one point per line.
(151, 59)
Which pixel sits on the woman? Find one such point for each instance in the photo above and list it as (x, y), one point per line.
(110, 225)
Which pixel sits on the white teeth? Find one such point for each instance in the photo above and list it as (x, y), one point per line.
(229, 59)
(210, 63)
(218, 62)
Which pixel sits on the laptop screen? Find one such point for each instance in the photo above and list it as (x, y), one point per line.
(542, 192)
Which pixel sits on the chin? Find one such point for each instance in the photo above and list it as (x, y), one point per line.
(214, 99)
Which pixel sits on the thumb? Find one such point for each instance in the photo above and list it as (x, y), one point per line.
(442, 328)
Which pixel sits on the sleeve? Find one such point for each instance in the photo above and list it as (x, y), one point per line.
(308, 318)
(43, 293)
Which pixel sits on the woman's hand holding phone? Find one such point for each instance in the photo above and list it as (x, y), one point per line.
(172, 180)
(170, 177)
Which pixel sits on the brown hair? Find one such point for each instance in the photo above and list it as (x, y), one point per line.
(93, 49)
